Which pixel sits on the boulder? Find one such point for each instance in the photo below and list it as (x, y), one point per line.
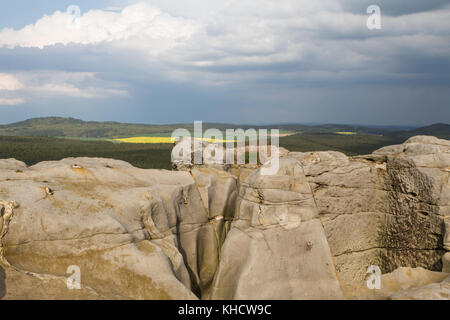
(434, 291)
(404, 279)
(276, 247)
(117, 223)
(385, 209)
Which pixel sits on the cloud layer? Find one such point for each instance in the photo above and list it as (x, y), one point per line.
(248, 54)
(140, 21)
(46, 83)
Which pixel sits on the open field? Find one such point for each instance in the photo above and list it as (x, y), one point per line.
(156, 140)
(346, 133)
(145, 140)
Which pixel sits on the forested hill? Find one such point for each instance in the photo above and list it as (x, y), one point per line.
(440, 130)
(70, 127)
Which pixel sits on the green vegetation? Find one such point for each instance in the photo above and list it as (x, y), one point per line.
(440, 130)
(43, 139)
(348, 144)
(68, 127)
(32, 150)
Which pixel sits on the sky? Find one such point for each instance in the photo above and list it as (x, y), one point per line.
(233, 61)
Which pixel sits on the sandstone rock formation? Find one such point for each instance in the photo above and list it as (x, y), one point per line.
(401, 283)
(310, 231)
(384, 209)
(416, 284)
(276, 247)
(121, 225)
(433, 291)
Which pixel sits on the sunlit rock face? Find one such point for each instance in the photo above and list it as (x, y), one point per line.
(385, 209)
(119, 224)
(276, 247)
(308, 231)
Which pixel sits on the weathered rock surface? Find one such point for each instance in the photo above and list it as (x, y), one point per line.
(310, 231)
(276, 247)
(404, 279)
(417, 284)
(385, 209)
(401, 280)
(434, 291)
(124, 227)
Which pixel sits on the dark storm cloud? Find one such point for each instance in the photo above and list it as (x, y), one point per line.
(394, 7)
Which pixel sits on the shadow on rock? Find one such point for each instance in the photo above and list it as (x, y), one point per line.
(2, 283)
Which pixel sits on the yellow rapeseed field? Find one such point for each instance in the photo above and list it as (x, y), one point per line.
(346, 133)
(161, 140)
(146, 140)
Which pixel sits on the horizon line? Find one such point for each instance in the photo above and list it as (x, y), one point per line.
(237, 124)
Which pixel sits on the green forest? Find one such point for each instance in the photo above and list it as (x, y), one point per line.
(44, 139)
(32, 150)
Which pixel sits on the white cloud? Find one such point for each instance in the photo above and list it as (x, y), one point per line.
(9, 83)
(70, 84)
(11, 101)
(56, 84)
(141, 21)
